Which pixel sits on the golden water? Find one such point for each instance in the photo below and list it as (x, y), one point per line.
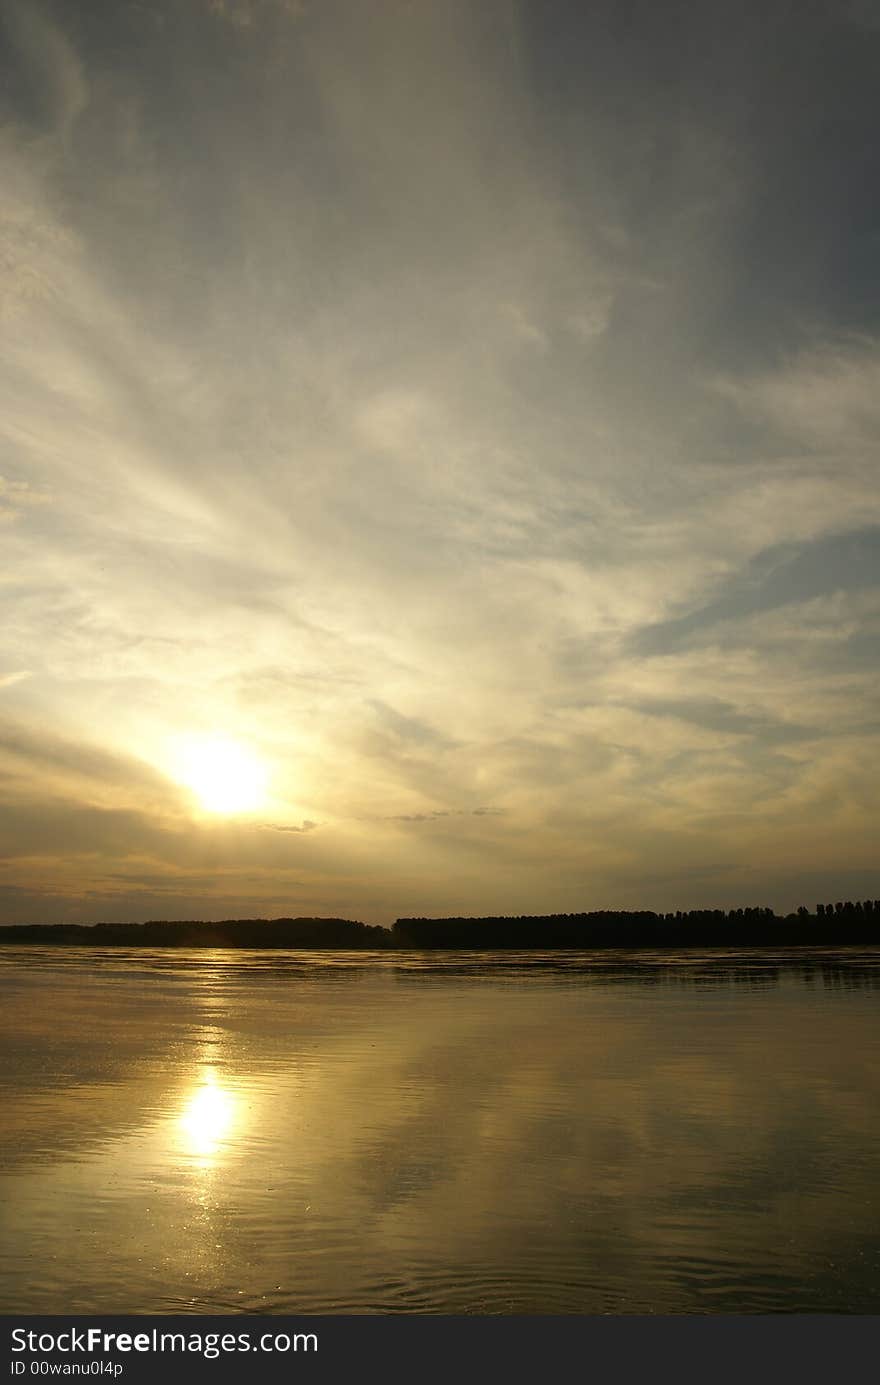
(484, 1133)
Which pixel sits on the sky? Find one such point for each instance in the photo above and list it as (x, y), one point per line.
(438, 456)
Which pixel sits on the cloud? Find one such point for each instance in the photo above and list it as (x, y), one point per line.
(306, 826)
(827, 397)
(83, 781)
(438, 813)
(16, 497)
(407, 730)
(44, 57)
(461, 407)
(780, 576)
(244, 13)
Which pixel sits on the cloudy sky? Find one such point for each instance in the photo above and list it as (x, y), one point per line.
(457, 419)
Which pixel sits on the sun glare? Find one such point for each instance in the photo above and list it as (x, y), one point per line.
(225, 776)
(207, 1118)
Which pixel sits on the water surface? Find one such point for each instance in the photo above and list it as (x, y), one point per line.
(230, 1131)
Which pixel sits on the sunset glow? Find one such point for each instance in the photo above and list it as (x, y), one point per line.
(452, 425)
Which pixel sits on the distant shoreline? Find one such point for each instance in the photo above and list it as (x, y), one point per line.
(842, 925)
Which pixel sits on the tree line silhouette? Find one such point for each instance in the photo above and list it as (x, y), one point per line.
(843, 924)
(262, 933)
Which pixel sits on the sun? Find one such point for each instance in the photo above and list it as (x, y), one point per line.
(225, 776)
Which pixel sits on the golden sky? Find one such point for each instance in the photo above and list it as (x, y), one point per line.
(438, 466)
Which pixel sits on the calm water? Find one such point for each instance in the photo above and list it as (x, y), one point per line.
(452, 1133)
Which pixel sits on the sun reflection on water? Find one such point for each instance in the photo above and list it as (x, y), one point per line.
(208, 1118)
